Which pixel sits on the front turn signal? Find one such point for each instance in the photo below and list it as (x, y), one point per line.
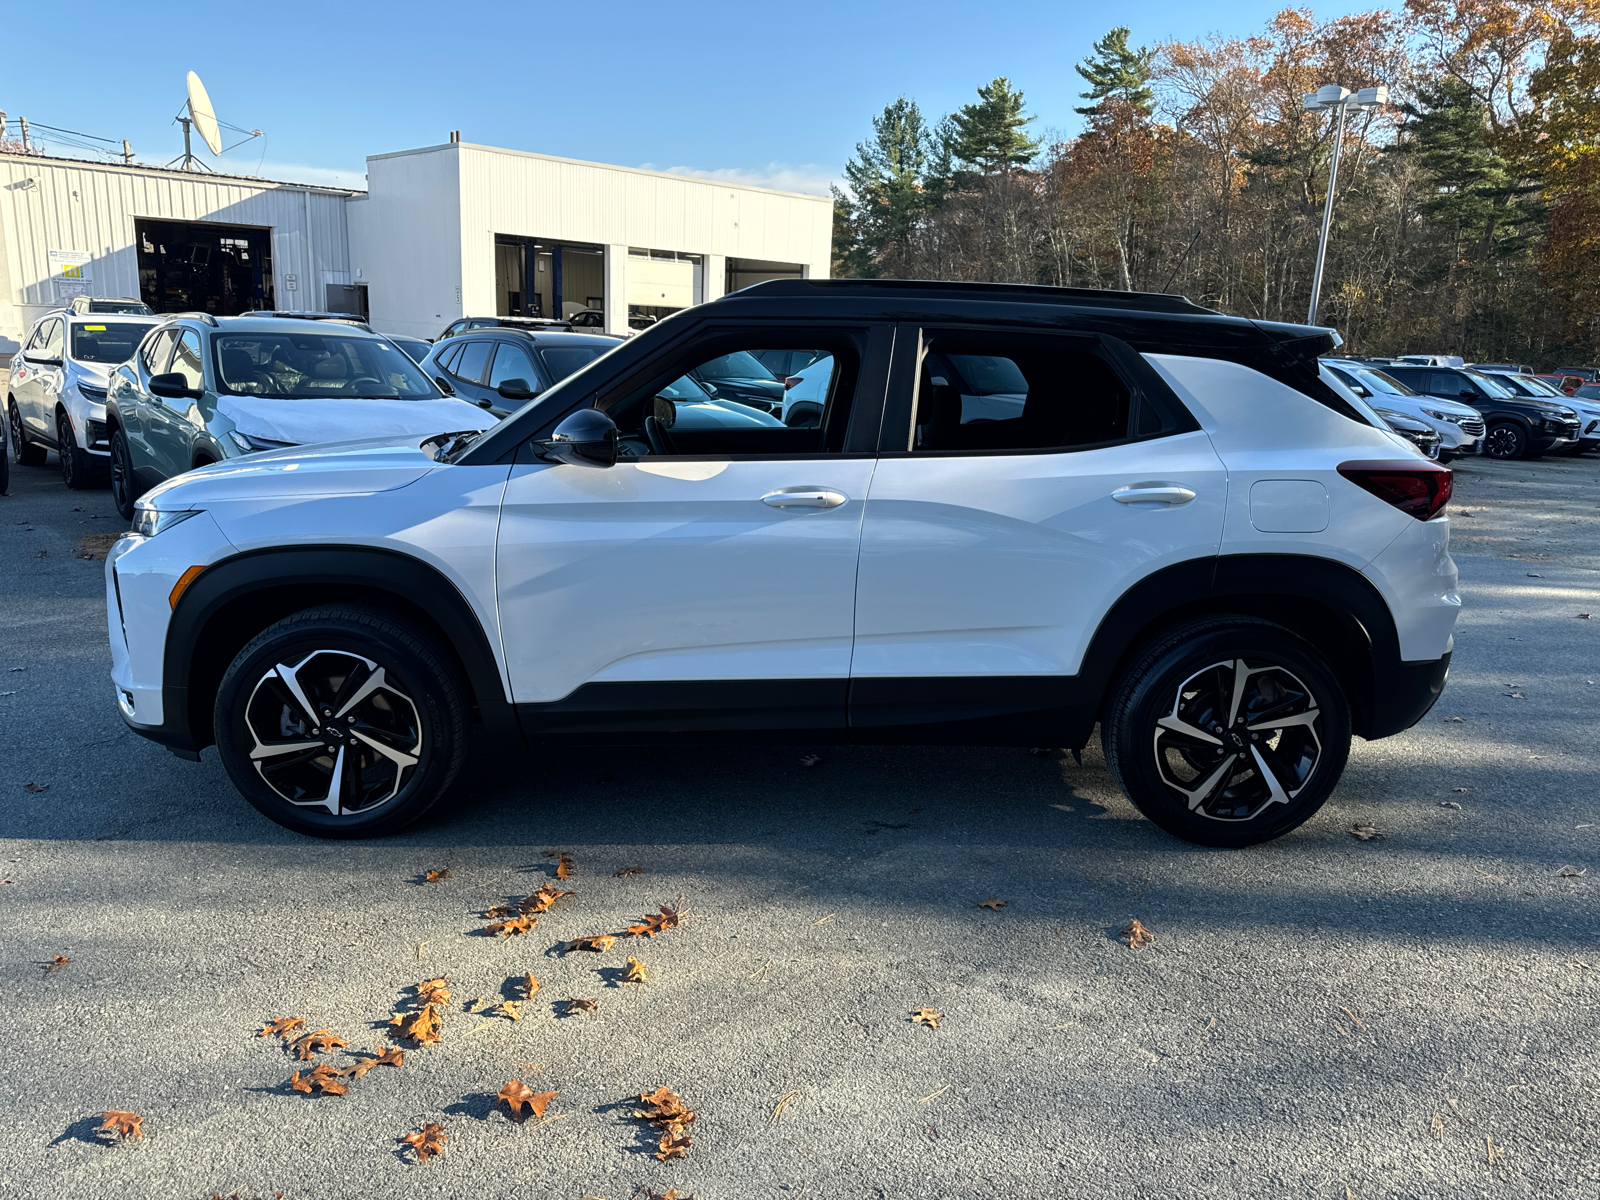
(182, 585)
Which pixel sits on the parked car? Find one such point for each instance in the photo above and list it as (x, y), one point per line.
(416, 348)
(1585, 401)
(1164, 542)
(342, 318)
(740, 376)
(1587, 374)
(807, 377)
(5, 461)
(1420, 434)
(1459, 426)
(1565, 384)
(469, 324)
(124, 305)
(205, 389)
(1502, 368)
(1432, 360)
(501, 369)
(56, 396)
(1518, 426)
(588, 320)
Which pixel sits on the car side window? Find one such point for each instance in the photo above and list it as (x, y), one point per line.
(512, 362)
(37, 340)
(186, 359)
(154, 355)
(474, 358)
(729, 405)
(989, 392)
(52, 339)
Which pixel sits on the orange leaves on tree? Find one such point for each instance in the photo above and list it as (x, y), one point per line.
(666, 1110)
(281, 1027)
(528, 986)
(510, 927)
(1137, 934)
(391, 1057)
(654, 923)
(434, 991)
(124, 1124)
(318, 1042)
(572, 1005)
(321, 1078)
(427, 1142)
(421, 1027)
(519, 1095)
(596, 945)
(563, 862)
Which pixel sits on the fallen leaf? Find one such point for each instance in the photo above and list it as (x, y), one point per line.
(1137, 934)
(654, 923)
(1492, 1150)
(509, 1008)
(529, 985)
(281, 1027)
(991, 902)
(434, 991)
(563, 862)
(631, 871)
(1437, 1128)
(1572, 872)
(926, 1016)
(596, 945)
(651, 1194)
(318, 1042)
(634, 972)
(541, 900)
(1364, 831)
(664, 1107)
(321, 1078)
(516, 1095)
(56, 963)
(1448, 804)
(783, 1103)
(392, 1057)
(511, 927)
(1454, 720)
(37, 787)
(810, 760)
(571, 1006)
(673, 1145)
(124, 1124)
(436, 876)
(421, 1026)
(428, 1142)
(1462, 789)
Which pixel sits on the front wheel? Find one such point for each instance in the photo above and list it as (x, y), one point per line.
(77, 468)
(1228, 731)
(24, 451)
(1505, 441)
(124, 483)
(341, 722)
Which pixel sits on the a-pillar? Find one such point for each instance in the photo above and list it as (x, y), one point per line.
(616, 289)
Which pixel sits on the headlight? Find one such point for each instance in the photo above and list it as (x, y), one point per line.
(147, 521)
(1452, 418)
(251, 444)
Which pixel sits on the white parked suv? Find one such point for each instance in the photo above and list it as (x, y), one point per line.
(1188, 534)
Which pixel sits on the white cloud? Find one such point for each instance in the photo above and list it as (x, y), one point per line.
(811, 179)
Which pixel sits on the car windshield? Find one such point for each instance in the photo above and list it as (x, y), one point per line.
(109, 342)
(562, 361)
(741, 364)
(1490, 384)
(1377, 381)
(313, 366)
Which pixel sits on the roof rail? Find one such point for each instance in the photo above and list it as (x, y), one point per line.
(1037, 293)
(198, 316)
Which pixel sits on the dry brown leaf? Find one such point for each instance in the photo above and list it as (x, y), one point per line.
(511, 927)
(654, 923)
(281, 1027)
(428, 1142)
(630, 871)
(528, 986)
(669, 1194)
(1492, 1150)
(508, 1008)
(563, 862)
(539, 901)
(1364, 831)
(571, 1006)
(321, 1078)
(664, 1107)
(393, 1056)
(56, 963)
(1137, 934)
(635, 972)
(436, 876)
(991, 902)
(673, 1145)
(1437, 1128)
(318, 1042)
(926, 1016)
(434, 991)
(422, 1026)
(516, 1094)
(595, 945)
(124, 1124)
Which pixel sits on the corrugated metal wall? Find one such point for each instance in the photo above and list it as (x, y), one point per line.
(91, 207)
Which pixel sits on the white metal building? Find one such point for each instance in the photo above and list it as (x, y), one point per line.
(443, 232)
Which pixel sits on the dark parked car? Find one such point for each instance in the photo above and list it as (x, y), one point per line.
(742, 378)
(500, 368)
(416, 349)
(1518, 426)
(470, 324)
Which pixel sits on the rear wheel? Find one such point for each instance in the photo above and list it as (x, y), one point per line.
(124, 483)
(341, 722)
(77, 468)
(1228, 731)
(24, 451)
(1505, 441)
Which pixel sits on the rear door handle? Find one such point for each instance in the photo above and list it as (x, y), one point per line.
(1153, 493)
(804, 497)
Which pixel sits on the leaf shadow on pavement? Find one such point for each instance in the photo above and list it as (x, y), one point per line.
(479, 1106)
(646, 1138)
(83, 1130)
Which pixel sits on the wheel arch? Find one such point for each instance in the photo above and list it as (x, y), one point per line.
(236, 599)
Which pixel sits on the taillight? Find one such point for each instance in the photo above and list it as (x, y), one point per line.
(1419, 489)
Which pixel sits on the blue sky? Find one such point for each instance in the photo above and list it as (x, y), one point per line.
(771, 94)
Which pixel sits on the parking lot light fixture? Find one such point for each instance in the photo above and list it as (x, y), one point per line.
(1340, 99)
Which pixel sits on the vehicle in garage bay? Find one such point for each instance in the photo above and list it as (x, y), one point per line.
(204, 389)
(1459, 426)
(1186, 535)
(1517, 425)
(56, 393)
(501, 368)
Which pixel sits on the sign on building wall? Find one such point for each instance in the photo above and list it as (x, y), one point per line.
(71, 272)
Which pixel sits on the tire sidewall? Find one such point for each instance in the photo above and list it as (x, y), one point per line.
(1521, 441)
(123, 499)
(424, 681)
(1146, 693)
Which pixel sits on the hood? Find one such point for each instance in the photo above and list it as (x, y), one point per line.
(329, 469)
(94, 374)
(307, 422)
(1442, 405)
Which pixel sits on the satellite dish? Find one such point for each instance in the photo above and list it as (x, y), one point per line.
(203, 115)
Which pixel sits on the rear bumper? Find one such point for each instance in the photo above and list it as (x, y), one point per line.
(1404, 693)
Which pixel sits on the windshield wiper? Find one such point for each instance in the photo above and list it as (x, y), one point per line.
(444, 447)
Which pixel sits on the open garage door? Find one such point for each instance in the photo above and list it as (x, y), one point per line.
(199, 266)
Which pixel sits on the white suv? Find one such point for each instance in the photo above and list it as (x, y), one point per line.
(1188, 533)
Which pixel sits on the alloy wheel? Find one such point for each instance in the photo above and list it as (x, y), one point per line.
(1501, 442)
(17, 444)
(64, 446)
(333, 731)
(1240, 737)
(121, 483)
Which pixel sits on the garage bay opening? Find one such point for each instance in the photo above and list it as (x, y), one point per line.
(197, 266)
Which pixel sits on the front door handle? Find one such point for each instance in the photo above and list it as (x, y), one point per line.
(1153, 493)
(804, 497)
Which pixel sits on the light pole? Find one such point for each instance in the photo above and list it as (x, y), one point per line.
(1333, 96)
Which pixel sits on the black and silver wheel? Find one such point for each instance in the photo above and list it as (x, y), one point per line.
(77, 468)
(24, 451)
(1228, 732)
(1505, 441)
(341, 721)
(124, 483)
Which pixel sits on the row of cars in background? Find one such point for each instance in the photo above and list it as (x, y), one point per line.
(1503, 411)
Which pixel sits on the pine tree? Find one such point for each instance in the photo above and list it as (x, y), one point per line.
(1115, 72)
(887, 178)
(987, 136)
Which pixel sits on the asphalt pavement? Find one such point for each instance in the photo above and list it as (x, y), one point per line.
(1407, 1016)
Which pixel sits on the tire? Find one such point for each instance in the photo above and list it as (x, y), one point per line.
(398, 751)
(24, 451)
(125, 487)
(78, 470)
(804, 416)
(1505, 441)
(1193, 672)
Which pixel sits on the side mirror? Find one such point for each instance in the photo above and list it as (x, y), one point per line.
(516, 389)
(1358, 389)
(588, 438)
(41, 360)
(444, 386)
(173, 386)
